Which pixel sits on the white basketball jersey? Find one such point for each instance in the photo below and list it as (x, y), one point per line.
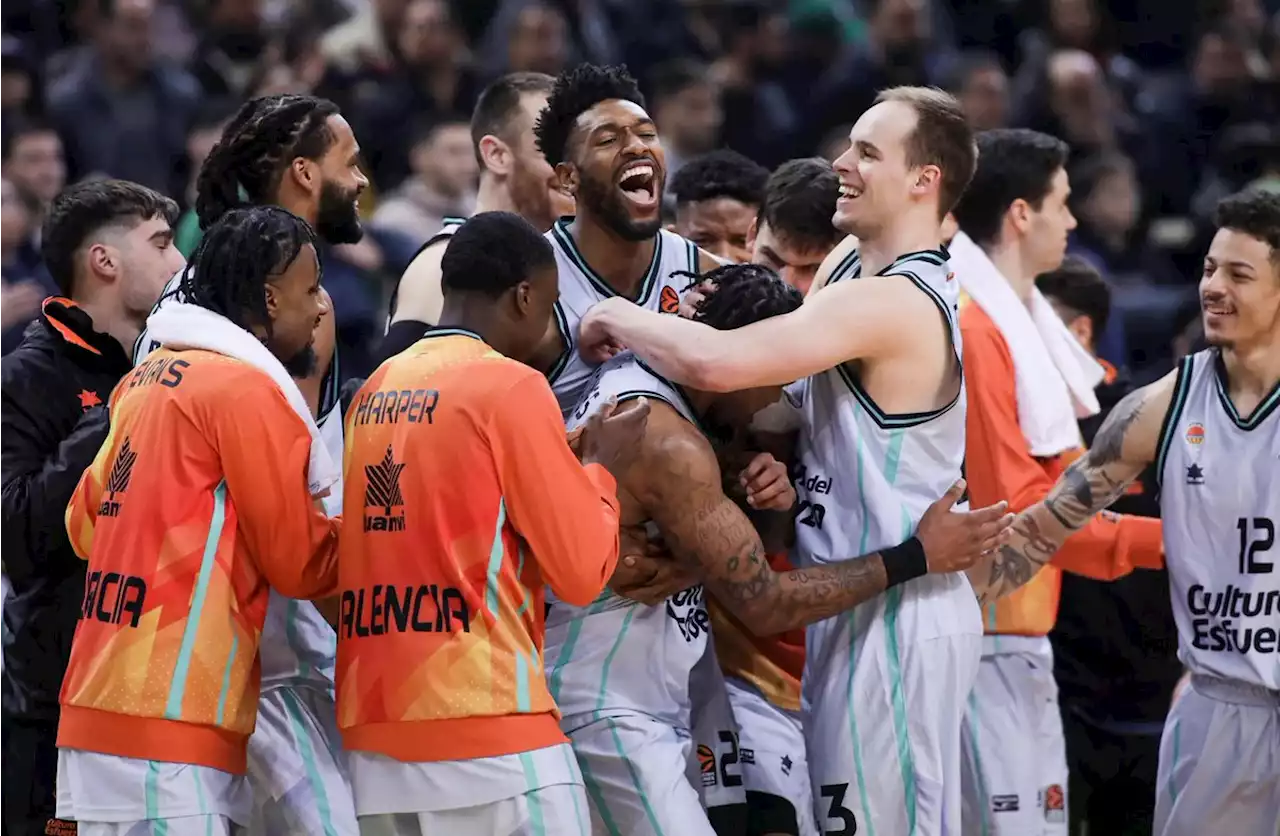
(1220, 506)
(451, 225)
(298, 646)
(866, 477)
(617, 654)
(581, 288)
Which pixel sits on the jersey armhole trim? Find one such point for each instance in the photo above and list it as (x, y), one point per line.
(1181, 384)
(562, 326)
(902, 420)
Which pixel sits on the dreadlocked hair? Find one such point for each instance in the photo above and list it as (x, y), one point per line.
(238, 256)
(575, 92)
(257, 145)
(739, 294)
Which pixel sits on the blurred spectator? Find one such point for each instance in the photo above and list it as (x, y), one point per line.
(685, 105)
(760, 120)
(366, 39)
(205, 131)
(538, 40)
(430, 81)
(1149, 300)
(443, 184)
(901, 49)
(33, 162)
(25, 281)
(979, 81)
(229, 59)
(19, 86)
(118, 111)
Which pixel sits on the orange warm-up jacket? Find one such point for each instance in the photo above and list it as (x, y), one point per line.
(471, 502)
(999, 466)
(195, 506)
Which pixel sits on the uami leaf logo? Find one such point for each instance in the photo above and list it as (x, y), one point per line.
(1195, 434)
(382, 493)
(118, 479)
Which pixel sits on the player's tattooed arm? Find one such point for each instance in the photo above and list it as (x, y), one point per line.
(677, 480)
(1124, 446)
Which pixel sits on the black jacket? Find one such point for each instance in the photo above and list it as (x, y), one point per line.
(56, 386)
(1115, 644)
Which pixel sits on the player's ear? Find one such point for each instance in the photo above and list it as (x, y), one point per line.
(495, 155)
(929, 177)
(1019, 214)
(567, 174)
(523, 298)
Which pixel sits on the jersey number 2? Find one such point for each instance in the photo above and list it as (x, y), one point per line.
(728, 759)
(1263, 537)
(837, 810)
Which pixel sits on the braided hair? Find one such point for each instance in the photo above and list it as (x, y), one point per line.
(740, 294)
(243, 251)
(574, 93)
(256, 147)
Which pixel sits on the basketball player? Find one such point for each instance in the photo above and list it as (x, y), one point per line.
(627, 713)
(514, 177)
(717, 197)
(1014, 222)
(606, 152)
(457, 454)
(1210, 428)
(607, 155)
(196, 506)
(296, 152)
(792, 234)
(882, 437)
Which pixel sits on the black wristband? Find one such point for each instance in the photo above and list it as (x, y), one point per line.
(904, 562)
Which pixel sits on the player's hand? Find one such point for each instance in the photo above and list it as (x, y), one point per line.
(767, 484)
(574, 439)
(694, 297)
(646, 571)
(611, 438)
(595, 343)
(955, 540)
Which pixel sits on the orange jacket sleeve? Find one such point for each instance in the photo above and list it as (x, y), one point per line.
(265, 449)
(82, 511)
(567, 513)
(999, 466)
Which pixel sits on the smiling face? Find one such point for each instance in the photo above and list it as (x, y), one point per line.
(876, 182)
(341, 183)
(295, 305)
(617, 170)
(1240, 290)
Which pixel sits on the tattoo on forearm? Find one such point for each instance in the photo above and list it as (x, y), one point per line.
(1088, 486)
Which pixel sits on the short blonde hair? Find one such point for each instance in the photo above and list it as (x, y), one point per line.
(942, 137)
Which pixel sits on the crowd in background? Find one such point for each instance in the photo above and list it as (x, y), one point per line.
(1167, 105)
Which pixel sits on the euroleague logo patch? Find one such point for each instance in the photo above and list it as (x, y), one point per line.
(707, 765)
(1054, 802)
(669, 300)
(1195, 435)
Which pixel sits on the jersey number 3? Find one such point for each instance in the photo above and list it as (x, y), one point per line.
(1256, 536)
(837, 810)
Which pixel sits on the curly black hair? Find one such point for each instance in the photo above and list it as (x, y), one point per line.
(238, 255)
(1255, 212)
(740, 294)
(723, 173)
(575, 92)
(256, 147)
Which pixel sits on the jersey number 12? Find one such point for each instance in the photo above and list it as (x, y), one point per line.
(1256, 536)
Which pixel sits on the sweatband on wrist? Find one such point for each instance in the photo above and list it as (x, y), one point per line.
(904, 562)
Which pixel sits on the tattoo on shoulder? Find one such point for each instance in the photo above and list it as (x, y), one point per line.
(1108, 445)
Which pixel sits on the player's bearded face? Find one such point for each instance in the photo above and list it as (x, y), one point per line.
(598, 192)
(338, 219)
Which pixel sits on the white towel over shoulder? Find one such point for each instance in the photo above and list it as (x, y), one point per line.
(1055, 376)
(183, 325)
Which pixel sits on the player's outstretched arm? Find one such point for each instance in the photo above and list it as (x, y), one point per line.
(852, 320)
(1122, 449)
(677, 479)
